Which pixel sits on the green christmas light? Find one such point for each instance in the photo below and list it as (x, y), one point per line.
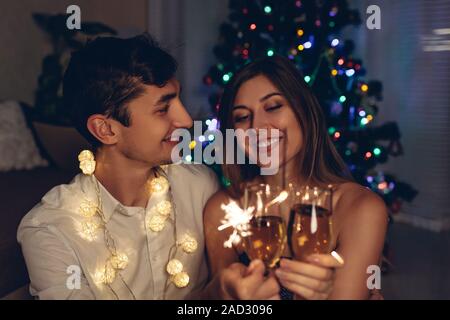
(342, 99)
(226, 78)
(377, 151)
(226, 182)
(267, 9)
(348, 152)
(331, 24)
(331, 130)
(307, 79)
(270, 52)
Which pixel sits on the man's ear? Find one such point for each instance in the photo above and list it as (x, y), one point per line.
(103, 129)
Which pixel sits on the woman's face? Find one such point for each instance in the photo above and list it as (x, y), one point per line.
(260, 105)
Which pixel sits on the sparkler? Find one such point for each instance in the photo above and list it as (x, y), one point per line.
(238, 219)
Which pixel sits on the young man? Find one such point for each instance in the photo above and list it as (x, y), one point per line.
(125, 228)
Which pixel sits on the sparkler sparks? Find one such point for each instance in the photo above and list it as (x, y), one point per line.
(238, 219)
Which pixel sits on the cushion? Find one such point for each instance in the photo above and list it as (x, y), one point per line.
(17, 144)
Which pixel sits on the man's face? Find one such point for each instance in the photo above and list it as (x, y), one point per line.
(153, 117)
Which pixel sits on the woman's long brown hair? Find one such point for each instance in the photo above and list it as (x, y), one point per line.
(319, 162)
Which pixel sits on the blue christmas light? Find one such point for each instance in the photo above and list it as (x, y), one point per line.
(335, 42)
(350, 72)
(307, 44)
(212, 126)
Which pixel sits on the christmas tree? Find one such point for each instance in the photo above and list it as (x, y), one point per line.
(308, 33)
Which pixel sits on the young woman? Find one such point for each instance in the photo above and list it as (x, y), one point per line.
(270, 94)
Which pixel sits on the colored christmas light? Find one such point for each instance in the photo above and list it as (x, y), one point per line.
(382, 185)
(377, 151)
(350, 72)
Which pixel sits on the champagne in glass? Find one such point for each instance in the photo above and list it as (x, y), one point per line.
(310, 227)
(267, 239)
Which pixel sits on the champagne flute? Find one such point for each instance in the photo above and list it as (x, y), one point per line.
(267, 238)
(310, 226)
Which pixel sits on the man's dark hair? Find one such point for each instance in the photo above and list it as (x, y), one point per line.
(107, 73)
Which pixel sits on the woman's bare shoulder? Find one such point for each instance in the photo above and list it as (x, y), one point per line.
(215, 201)
(352, 198)
(212, 211)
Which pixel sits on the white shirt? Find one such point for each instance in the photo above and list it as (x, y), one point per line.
(54, 246)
